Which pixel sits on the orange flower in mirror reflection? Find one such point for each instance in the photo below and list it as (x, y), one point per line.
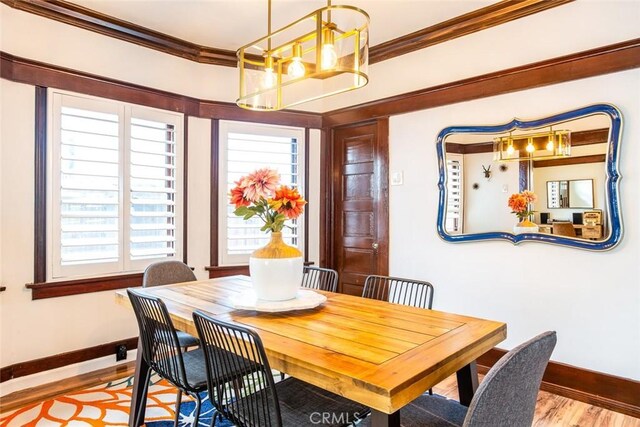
(288, 201)
(520, 203)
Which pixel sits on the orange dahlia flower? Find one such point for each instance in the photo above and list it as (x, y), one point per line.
(260, 184)
(288, 201)
(236, 196)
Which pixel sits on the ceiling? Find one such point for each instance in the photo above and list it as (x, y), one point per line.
(229, 24)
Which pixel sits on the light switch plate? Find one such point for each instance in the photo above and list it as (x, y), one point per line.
(396, 178)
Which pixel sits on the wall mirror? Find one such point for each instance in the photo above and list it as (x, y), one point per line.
(573, 194)
(568, 160)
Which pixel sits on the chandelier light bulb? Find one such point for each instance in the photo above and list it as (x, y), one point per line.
(329, 57)
(550, 144)
(530, 148)
(510, 149)
(269, 78)
(296, 67)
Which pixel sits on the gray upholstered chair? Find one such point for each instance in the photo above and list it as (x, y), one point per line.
(289, 402)
(323, 279)
(506, 397)
(166, 273)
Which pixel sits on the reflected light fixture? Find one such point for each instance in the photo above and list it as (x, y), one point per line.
(533, 146)
(323, 53)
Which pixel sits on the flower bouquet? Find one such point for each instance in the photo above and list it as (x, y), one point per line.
(258, 194)
(276, 269)
(520, 204)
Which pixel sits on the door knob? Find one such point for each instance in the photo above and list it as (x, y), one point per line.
(374, 246)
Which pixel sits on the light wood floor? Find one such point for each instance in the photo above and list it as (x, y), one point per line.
(551, 410)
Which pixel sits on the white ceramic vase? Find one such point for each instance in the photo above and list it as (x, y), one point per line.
(525, 226)
(276, 270)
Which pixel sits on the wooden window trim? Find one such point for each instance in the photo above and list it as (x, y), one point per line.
(214, 269)
(44, 290)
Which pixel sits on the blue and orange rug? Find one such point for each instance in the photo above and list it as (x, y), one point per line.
(108, 405)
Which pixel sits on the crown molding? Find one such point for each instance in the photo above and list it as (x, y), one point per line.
(107, 25)
(477, 20)
(38, 73)
(603, 60)
(88, 19)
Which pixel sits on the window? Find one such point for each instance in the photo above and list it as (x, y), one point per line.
(454, 218)
(115, 187)
(244, 148)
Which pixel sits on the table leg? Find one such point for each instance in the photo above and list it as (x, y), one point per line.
(380, 419)
(467, 382)
(139, 393)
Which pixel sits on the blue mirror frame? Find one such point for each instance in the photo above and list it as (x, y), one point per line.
(611, 185)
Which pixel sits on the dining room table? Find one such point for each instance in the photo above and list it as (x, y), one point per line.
(380, 354)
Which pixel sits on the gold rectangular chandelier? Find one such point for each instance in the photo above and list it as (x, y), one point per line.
(323, 53)
(533, 146)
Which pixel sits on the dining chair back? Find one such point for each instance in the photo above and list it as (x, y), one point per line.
(323, 279)
(167, 272)
(162, 350)
(411, 292)
(508, 393)
(221, 343)
(290, 402)
(564, 229)
(506, 396)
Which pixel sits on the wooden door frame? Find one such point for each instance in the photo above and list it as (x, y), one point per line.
(327, 192)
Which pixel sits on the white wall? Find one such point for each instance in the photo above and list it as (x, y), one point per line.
(30, 36)
(541, 36)
(35, 329)
(485, 209)
(591, 298)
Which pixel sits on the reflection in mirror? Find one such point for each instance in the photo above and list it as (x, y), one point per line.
(572, 171)
(581, 193)
(577, 193)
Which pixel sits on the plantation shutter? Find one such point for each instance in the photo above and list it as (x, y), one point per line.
(152, 195)
(454, 217)
(114, 186)
(246, 148)
(88, 187)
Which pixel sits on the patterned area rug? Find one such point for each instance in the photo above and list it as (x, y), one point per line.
(108, 405)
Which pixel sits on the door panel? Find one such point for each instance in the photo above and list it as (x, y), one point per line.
(360, 204)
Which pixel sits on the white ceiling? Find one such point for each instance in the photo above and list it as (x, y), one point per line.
(229, 24)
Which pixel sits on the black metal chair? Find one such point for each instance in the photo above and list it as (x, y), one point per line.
(506, 397)
(323, 279)
(411, 292)
(290, 402)
(165, 273)
(163, 353)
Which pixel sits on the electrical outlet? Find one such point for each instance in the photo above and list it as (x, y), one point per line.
(121, 352)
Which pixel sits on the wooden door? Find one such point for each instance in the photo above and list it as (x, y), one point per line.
(361, 209)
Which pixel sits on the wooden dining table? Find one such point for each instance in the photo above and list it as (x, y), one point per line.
(380, 354)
